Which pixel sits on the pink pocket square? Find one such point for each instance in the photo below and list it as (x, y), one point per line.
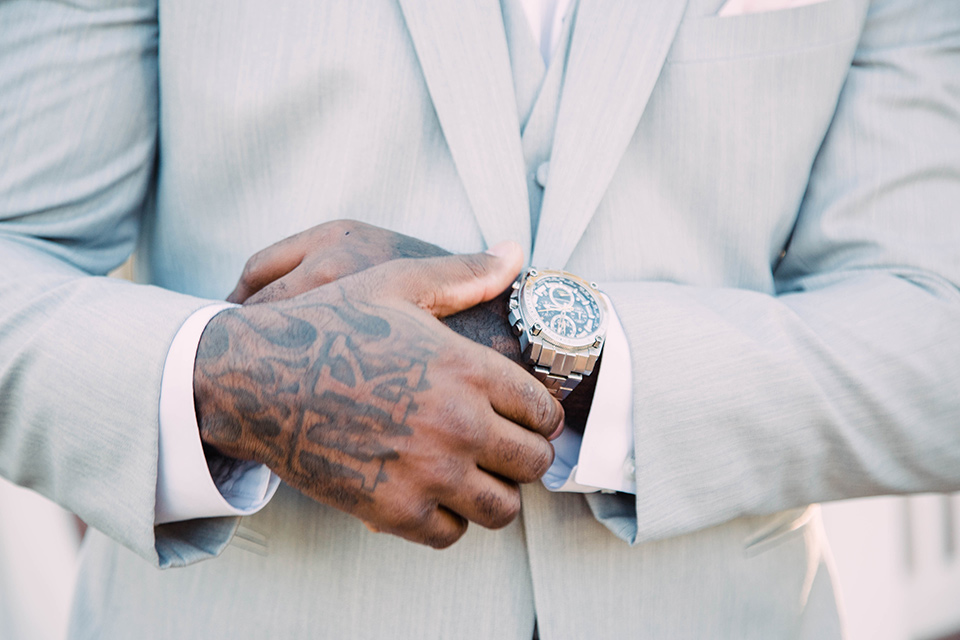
(741, 7)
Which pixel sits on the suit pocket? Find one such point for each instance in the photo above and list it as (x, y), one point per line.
(703, 39)
(252, 541)
(779, 529)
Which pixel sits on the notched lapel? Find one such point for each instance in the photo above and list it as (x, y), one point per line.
(462, 50)
(616, 54)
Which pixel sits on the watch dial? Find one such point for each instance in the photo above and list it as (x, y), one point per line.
(566, 308)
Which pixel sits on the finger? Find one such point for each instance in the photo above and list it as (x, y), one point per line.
(312, 272)
(516, 395)
(486, 500)
(266, 266)
(556, 434)
(446, 285)
(289, 286)
(508, 387)
(438, 528)
(514, 453)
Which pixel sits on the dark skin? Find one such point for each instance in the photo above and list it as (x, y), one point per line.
(325, 253)
(355, 394)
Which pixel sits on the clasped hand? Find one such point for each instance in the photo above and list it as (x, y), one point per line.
(343, 381)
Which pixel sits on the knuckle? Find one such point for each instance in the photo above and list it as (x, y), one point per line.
(276, 291)
(534, 462)
(465, 366)
(251, 268)
(463, 424)
(326, 234)
(495, 377)
(544, 408)
(541, 461)
(510, 452)
(324, 272)
(474, 265)
(336, 229)
(445, 539)
(526, 462)
(447, 474)
(428, 297)
(496, 510)
(416, 514)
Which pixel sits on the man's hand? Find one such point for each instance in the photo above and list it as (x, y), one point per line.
(321, 255)
(356, 395)
(333, 250)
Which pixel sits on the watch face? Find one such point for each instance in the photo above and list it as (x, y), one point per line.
(567, 310)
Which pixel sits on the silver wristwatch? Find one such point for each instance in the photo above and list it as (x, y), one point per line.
(561, 321)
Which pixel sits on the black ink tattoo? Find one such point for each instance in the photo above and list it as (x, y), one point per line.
(323, 391)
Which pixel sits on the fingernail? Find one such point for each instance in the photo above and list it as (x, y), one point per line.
(556, 433)
(501, 249)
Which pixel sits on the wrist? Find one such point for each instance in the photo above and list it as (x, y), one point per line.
(219, 432)
(576, 406)
(487, 324)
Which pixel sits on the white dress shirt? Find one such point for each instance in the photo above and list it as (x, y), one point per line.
(601, 460)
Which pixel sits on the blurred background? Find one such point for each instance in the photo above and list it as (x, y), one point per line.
(39, 543)
(898, 567)
(896, 559)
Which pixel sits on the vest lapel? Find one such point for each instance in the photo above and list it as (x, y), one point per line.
(616, 54)
(538, 129)
(526, 62)
(463, 53)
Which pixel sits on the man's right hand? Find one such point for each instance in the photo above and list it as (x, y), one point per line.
(355, 394)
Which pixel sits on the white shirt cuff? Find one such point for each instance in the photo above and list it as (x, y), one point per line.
(185, 487)
(603, 460)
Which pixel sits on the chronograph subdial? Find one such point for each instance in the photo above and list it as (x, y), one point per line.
(563, 325)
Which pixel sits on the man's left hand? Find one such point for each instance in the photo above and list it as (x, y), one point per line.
(334, 250)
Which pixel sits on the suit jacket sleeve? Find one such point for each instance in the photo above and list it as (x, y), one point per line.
(846, 382)
(81, 355)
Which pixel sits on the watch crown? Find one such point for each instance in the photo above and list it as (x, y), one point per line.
(518, 327)
(536, 329)
(513, 304)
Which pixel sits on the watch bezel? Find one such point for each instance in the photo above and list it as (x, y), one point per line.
(529, 279)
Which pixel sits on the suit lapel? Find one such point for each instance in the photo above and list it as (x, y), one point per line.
(616, 54)
(462, 50)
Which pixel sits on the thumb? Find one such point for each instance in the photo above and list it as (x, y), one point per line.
(446, 285)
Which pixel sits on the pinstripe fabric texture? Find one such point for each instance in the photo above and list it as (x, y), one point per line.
(688, 152)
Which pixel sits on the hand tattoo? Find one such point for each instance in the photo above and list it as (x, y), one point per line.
(323, 401)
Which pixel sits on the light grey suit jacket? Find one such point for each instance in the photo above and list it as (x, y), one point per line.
(772, 202)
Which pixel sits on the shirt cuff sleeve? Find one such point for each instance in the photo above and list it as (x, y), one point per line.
(185, 487)
(603, 459)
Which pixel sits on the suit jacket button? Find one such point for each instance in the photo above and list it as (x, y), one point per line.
(543, 172)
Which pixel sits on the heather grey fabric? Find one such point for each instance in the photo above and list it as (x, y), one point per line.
(686, 151)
